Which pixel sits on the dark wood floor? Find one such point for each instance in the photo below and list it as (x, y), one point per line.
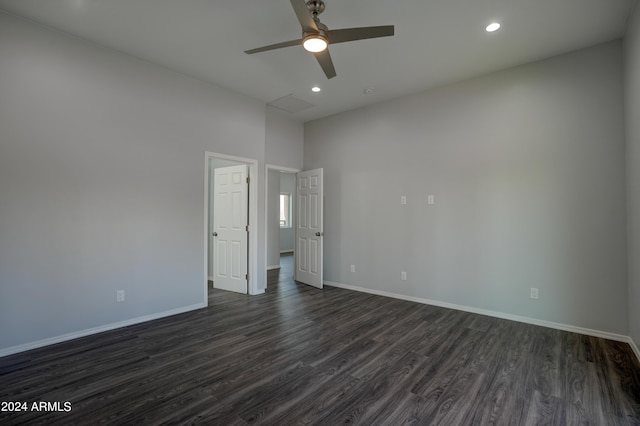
(297, 355)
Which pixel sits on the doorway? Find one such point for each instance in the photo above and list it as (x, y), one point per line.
(307, 214)
(213, 162)
(280, 188)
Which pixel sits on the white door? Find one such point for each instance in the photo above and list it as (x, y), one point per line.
(230, 231)
(309, 234)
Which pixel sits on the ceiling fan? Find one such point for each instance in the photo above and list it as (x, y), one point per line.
(316, 36)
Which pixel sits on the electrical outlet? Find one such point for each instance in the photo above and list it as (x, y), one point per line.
(534, 293)
(353, 268)
(403, 276)
(403, 199)
(431, 199)
(120, 296)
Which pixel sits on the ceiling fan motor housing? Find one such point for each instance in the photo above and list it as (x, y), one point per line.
(316, 7)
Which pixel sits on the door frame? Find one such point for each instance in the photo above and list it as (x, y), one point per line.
(252, 259)
(266, 207)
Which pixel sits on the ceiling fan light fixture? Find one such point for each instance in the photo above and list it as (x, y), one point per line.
(315, 43)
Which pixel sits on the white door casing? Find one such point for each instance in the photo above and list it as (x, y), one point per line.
(309, 228)
(230, 222)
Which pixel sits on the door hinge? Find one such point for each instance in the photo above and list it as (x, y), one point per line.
(248, 180)
(247, 228)
(246, 277)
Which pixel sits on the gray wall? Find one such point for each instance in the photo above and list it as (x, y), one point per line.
(284, 139)
(101, 182)
(273, 219)
(288, 185)
(632, 108)
(527, 168)
(284, 148)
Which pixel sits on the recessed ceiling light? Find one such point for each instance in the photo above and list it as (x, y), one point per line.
(315, 89)
(369, 90)
(494, 26)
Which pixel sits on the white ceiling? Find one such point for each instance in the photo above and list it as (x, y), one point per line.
(436, 41)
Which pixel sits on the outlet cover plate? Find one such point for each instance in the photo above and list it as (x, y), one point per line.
(534, 293)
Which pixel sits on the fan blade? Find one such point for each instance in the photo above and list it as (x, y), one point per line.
(324, 59)
(275, 46)
(304, 17)
(350, 34)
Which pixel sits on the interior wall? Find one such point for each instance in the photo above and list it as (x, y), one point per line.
(632, 109)
(273, 219)
(288, 186)
(284, 148)
(284, 139)
(527, 169)
(101, 183)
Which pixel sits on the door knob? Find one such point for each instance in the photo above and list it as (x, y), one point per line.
(318, 234)
(215, 234)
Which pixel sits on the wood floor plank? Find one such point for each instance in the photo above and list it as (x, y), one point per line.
(546, 410)
(506, 394)
(317, 401)
(299, 355)
(374, 392)
(622, 364)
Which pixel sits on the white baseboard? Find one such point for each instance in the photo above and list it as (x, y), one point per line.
(527, 320)
(270, 268)
(95, 330)
(262, 291)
